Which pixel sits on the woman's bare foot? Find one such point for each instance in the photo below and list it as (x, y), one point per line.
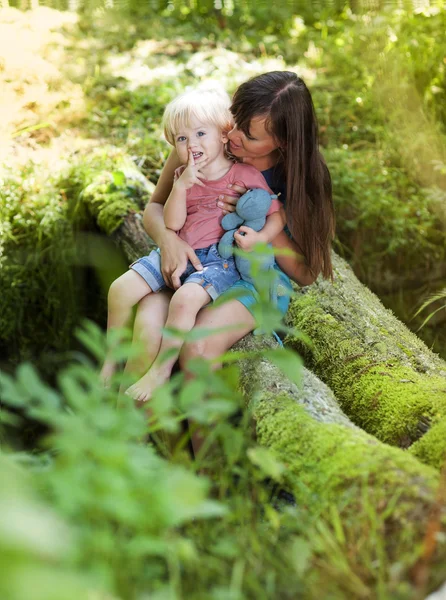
(142, 390)
(107, 372)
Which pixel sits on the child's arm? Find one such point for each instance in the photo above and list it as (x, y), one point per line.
(175, 211)
(175, 208)
(273, 226)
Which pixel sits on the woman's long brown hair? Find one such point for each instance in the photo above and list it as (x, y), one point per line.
(284, 100)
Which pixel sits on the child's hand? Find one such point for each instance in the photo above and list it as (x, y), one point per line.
(189, 176)
(249, 239)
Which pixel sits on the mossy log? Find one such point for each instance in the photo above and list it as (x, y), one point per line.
(385, 378)
(129, 233)
(114, 193)
(332, 463)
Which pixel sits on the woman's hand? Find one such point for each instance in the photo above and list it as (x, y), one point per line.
(175, 253)
(228, 202)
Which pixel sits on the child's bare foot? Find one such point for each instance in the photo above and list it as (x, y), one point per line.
(107, 372)
(142, 390)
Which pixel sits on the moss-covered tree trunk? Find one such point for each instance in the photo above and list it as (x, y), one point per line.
(332, 465)
(385, 378)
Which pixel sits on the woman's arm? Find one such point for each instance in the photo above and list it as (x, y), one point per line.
(273, 226)
(174, 251)
(293, 265)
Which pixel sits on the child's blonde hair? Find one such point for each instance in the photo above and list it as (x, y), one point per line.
(208, 105)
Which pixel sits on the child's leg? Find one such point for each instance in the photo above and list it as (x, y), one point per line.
(151, 317)
(125, 292)
(183, 310)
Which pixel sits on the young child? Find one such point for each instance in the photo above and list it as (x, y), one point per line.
(195, 123)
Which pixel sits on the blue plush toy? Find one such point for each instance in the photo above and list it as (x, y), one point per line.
(251, 211)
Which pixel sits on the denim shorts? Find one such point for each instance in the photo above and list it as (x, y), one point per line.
(217, 276)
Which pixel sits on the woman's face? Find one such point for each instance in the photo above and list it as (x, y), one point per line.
(257, 143)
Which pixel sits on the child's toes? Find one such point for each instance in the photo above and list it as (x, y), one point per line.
(131, 392)
(141, 396)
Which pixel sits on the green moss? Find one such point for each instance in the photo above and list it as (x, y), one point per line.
(431, 447)
(107, 206)
(40, 257)
(384, 377)
(111, 187)
(334, 468)
(332, 465)
(389, 401)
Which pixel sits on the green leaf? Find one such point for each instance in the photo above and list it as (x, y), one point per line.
(73, 391)
(118, 178)
(162, 401)
(267, 316)
(192, 392)
(199, 367)
(266, 461)
(9, 392)
(230, 295)
(168, 355)
(31, 128)
(196, 334)
(225, 547)
(233, 441)
(91, 336)
(301, 554)
(288, 362)
(298, 335)
(209, 411)
(235, 356)
(30, 381)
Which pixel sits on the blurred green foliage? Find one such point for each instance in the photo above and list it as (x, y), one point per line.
(100, 510)
(110, 515)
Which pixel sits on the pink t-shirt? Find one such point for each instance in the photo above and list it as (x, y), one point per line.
(202, 227)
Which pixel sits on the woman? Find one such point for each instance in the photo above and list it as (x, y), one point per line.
(276, 132)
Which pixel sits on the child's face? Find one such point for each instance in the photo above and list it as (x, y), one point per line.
(204, 139)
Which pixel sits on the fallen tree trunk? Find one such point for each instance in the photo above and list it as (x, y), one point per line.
(128, 233)
(385, 378)
(332, 463)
